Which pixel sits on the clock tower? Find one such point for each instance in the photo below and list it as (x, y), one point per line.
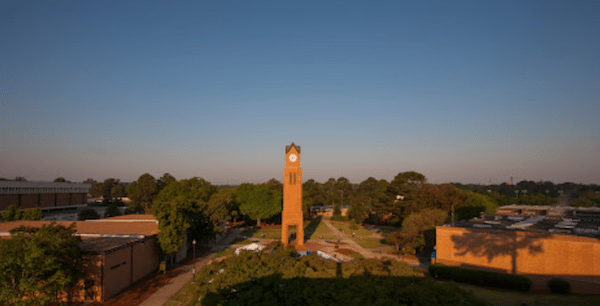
(292, 196)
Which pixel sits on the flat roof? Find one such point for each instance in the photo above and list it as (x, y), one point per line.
(578, 226)
(105, 244)
(139, 225)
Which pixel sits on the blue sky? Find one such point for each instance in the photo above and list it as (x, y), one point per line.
(472, 92)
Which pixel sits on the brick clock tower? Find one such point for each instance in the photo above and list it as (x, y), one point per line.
(292, 197)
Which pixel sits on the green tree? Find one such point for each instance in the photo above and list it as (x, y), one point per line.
(474, 205)
(39, 265)
(60, 180)
(13, 213)
(111, 211)
(165, 180)
(402, 196)
(142, 193)
(259, 202)
(185, 206)
(411, 235)
(274, 184)
(32, 214)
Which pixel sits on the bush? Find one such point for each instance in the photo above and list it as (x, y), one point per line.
(481, 278)
(87, 214)
(353, 225)
(557, 285)
(111, 211)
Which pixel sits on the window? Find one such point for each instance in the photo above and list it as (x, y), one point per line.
(294, 178)
(290, 178)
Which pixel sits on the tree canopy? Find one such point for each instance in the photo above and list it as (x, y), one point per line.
(259, 201)
(142, 193)
(39, 265)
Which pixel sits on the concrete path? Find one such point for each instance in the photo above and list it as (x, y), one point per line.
(365, 252)
(161, 296)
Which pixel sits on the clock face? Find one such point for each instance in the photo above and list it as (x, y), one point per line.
(293, 157)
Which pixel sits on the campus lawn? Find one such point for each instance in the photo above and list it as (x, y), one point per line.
(499, 297)
(344, 227)
(370, 242)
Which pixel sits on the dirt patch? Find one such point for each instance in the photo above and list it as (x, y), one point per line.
(336, 243)
(344, 251)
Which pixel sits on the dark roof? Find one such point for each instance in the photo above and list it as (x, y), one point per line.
(584, 226)
(288, 148)
(106, 244)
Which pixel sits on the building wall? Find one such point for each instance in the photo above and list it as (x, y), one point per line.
(32, 200)
(47, 200)
(539, 255)
(145, 258)
(116, 271)
(7, 200)
(29, 200)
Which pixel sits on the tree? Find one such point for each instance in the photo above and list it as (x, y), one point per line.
(32, 214)
(165, 180)
(184, 206)
(444, 196)
(39, 264)
(402, 196)
(475, 204)
(259, 202)
(13, 213)
(60, 180)
(411, 236)
(21, 179)
(274, 184)
(142, 193)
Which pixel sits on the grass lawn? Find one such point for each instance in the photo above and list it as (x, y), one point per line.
(345, 228)
(369, 242)
(241, 241)
(512, 298)
(225, 252)
(263, 233)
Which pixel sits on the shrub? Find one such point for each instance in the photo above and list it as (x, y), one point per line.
(32, 214)
(111, 211)
(481, 278)
(557, 285)
(87, 214)
(353, 225)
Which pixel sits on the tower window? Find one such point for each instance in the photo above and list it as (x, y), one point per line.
(290, 178)
(294, 178)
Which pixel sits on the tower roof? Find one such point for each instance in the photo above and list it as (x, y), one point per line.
(288, 148)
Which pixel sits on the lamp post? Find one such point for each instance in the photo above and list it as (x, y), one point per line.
(194, 261)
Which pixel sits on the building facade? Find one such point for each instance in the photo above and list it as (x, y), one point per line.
(42, 194)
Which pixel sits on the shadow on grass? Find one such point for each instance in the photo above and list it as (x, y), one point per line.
(310, 229)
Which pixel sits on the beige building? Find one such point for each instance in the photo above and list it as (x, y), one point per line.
(540, 247)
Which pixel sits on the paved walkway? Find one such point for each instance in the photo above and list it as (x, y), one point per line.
(365, 252)
(161, 296)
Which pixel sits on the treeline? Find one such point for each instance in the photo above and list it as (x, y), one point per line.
(539, 193)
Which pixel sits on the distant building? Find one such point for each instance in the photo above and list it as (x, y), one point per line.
(327, 211)
(46, 195)
(120, 251)
(538, 242)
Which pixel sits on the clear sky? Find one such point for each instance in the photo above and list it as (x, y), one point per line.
(471, 92)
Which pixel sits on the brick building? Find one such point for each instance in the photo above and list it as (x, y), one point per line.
(539, 246)
(119, 250)
(42, 194)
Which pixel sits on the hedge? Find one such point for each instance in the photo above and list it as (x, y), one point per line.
(557, 285)
(481, 278)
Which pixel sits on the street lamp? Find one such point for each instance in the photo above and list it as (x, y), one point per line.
(194, 260)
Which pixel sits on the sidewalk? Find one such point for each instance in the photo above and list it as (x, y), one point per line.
(161, 296)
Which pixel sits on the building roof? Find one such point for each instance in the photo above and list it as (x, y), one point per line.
(103, 235)
(25, 187)
(123, 225)
(584, 226)
(288, 148)
(106, 244)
